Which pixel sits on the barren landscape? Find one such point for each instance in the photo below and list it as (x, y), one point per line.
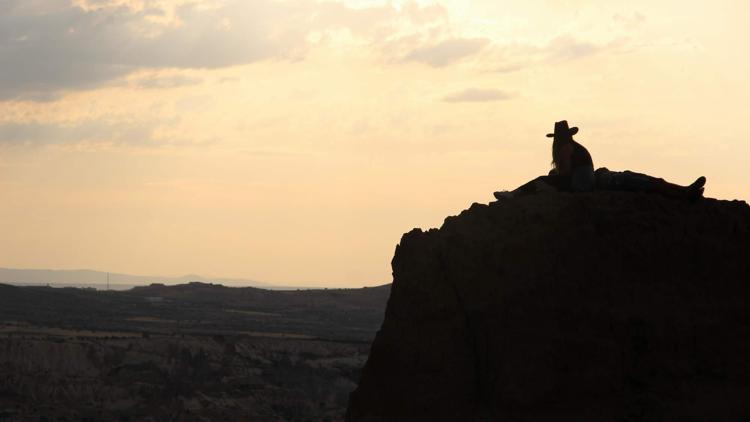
(195, 351)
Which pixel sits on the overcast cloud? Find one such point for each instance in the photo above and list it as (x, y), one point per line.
(48, 46)
(56, 48)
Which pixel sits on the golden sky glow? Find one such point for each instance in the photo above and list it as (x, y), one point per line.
(293, 142)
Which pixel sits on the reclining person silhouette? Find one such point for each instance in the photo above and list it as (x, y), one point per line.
(573, 171)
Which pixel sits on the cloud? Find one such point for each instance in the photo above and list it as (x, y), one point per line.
(447, 52)
(45, 51)
(477, 96)
(566, 48)
(629, 22)
(425, 14)
(165, 82)
(100, 131)
(48, 47)
(561, 49)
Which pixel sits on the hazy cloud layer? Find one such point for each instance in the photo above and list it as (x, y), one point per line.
(447, 52)
(477, 96)
(631, 21)
(48, 46)
(165, 82)
(567, 48)
(52, 48)
(514, 57)
(101, 131)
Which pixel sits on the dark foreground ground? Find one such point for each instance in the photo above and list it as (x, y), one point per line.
(188, 352)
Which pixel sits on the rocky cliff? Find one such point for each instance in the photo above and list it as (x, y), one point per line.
(607, 306)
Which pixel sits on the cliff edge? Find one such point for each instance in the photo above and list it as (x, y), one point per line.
(582, 307)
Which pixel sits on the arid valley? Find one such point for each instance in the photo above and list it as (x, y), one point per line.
(194, 351)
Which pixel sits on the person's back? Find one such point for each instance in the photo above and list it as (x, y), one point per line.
(580, 156)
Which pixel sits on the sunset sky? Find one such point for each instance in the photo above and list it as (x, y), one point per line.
(293, 142)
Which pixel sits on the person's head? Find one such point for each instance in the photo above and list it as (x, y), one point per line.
(561, 136)
(562, 131)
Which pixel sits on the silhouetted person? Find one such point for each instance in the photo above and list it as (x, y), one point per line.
(571, 161)
(573, 170)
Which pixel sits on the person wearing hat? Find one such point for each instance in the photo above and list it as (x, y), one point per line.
(571, 161)
(573, 170)
(572, 167)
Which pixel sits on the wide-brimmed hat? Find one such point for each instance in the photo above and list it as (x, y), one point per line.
(561, 129)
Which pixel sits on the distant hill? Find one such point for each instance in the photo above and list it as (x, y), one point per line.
(98, 279)
(198, 308)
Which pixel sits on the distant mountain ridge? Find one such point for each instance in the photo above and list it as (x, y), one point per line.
(83, 278)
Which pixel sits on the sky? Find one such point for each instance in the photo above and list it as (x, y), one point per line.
(294, 142)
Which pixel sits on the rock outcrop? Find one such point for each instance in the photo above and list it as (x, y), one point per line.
(607, 306)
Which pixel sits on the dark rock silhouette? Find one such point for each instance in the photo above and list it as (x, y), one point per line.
(607, 306)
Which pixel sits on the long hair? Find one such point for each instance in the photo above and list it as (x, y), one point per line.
(557, 144)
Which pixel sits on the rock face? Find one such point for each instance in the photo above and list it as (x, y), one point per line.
(608, 306)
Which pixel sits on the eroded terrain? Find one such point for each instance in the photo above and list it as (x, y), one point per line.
(188, 352)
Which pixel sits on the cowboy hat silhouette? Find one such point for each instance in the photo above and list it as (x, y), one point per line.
(562, 130)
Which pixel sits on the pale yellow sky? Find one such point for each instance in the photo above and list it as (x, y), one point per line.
(293, 142)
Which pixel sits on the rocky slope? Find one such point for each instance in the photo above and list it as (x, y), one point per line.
(174, 378)
(589, 307)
